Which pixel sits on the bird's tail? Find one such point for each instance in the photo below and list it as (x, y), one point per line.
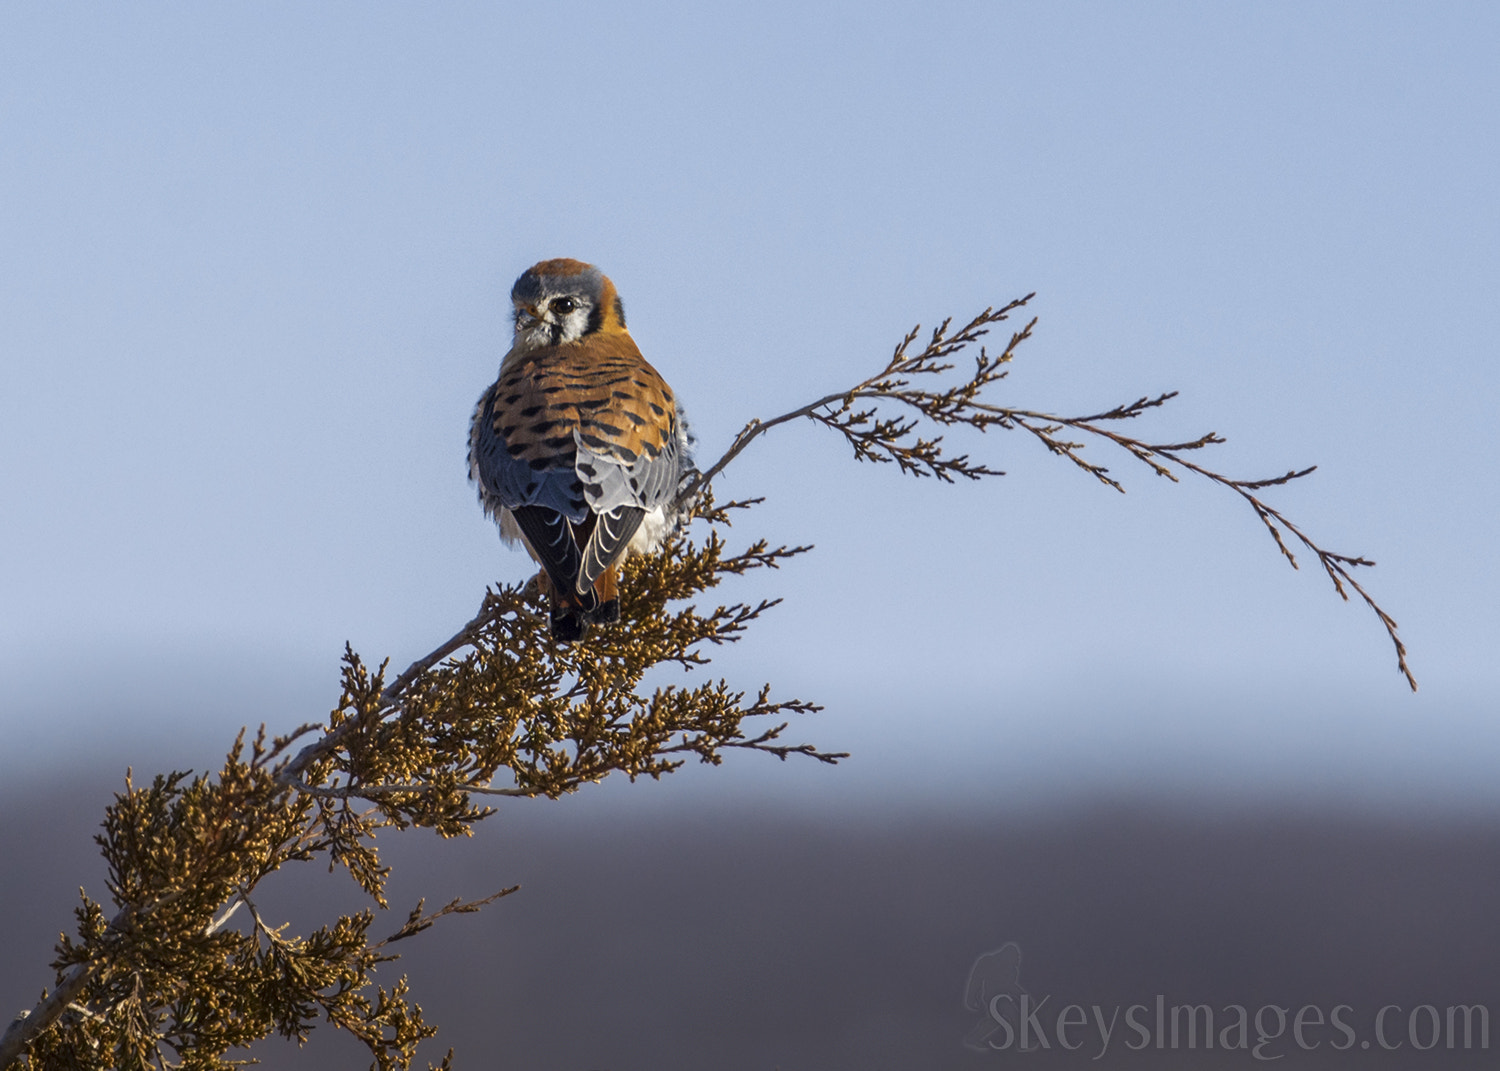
(580, 574)
(570, 619)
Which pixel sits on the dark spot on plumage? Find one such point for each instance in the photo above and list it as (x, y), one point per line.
(553, 389)
(532, 410)
(635, 485)
(619, 310)
(594, 442)
(507, 431)
(577, 487)
(622, 395)
(512, 399)
(641, 383)
(658, 410)
(593, 490)
(635, 418)
(587, 469)
(606, 429)
(596, 320)
(651, 449)
(592, 403)
(556, 441)
(542, 425)
(516, 449)
(666, 392)
(538, 464)
(530, 486)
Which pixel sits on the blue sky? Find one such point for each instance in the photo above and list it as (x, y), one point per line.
(253, 274)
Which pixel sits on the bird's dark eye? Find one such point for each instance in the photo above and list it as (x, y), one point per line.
(564, 305)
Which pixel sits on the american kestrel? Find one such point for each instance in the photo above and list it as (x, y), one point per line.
(579, 448)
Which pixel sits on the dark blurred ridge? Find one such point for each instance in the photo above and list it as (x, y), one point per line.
(742, 937)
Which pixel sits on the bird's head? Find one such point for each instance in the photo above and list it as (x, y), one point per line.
(560, 301)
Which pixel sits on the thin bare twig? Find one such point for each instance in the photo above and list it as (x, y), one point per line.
(878, 437)
(1159, 456)
(416, 922)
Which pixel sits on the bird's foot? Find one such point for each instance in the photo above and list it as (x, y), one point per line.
(606, 613)
(568, 624)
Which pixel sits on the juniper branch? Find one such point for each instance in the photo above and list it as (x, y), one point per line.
(496, 696)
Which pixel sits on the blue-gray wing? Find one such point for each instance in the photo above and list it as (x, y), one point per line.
(511, 469)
